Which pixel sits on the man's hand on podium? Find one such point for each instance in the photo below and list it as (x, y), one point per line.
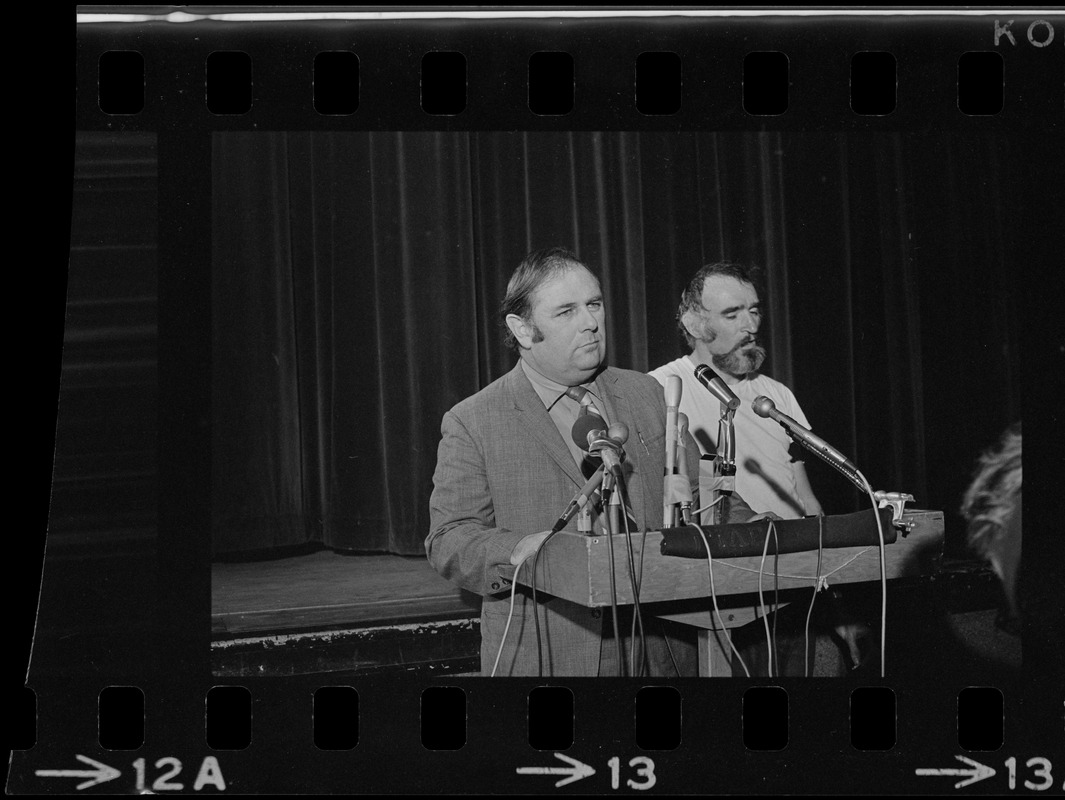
(526, 546)
(765, 515)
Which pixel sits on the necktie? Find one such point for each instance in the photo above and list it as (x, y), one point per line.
(584, 397)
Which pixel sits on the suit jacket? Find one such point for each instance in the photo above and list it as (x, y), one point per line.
(503, 472)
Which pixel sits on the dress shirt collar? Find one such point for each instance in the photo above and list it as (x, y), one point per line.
(549, 391)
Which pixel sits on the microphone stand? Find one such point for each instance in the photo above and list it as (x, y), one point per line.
(607, 445)
(721, 480)
(612, 490)
(584, 519)
(683, 516)
(723, 465)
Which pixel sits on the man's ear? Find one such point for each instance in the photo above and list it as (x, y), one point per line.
(522, 330)
(690, 321)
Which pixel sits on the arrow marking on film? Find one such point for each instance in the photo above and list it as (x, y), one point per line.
(101, 774)
(977, 773)
(575, 771)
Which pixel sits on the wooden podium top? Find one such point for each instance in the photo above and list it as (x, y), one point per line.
(576, 566)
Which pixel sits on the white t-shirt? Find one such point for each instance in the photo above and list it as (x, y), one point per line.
(758, 439)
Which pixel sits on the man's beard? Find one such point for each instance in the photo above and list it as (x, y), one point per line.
(738, 361)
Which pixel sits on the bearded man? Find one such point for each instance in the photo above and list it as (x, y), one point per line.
(719, 316)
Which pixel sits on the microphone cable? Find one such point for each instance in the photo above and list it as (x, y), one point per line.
(883, 570)
(672, 658)
(536, 613)
(510, 615)
(615, 435)
(613, 579)
(770, 529)
(713, 597)
(634, 582)
(639, 584)
(707, 507)
(776, 595)
(536, 607)
(813, 596)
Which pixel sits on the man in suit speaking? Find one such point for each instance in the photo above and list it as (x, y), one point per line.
(507, 467)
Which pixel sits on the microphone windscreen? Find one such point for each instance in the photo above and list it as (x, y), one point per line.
(584, 425)
(673, 390)
(763, 406)
(619, 432)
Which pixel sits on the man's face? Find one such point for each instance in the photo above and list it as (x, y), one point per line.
(727, 329)
(565, 336)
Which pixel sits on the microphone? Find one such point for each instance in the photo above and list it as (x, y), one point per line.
(673, 388)
(682, 467)
(673, 392)
(764, 407)
(726, 430)
(586, 424)
(717, 387)
(613, 437)
(579, 500)
(608, 445)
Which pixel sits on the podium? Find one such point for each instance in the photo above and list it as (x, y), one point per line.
(576, 566)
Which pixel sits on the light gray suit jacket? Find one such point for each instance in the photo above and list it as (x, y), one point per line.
(503, 472)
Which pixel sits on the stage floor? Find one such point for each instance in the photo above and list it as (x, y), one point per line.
(328, 590)
(330, 613)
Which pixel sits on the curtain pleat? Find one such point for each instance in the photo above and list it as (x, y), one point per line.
(358, 277)
(257, 487)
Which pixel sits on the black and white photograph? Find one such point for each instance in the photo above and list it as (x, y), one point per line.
(371, 282)
(556, 400)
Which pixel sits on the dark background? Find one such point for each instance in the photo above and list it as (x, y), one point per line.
(355, 279)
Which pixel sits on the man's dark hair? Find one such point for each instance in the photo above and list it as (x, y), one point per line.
(691, 299)
(532, 272)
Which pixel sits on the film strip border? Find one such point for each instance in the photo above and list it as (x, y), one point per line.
(443, 83)
(449, 735)
(522, 736)
(657, 718)
(868, 73)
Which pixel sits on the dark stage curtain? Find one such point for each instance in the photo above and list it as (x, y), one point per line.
(903, 312)
(357, 277)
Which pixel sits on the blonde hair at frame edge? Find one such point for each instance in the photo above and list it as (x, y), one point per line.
(992, 507)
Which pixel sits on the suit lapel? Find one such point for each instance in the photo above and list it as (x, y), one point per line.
(535, 419)
(619, 409)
